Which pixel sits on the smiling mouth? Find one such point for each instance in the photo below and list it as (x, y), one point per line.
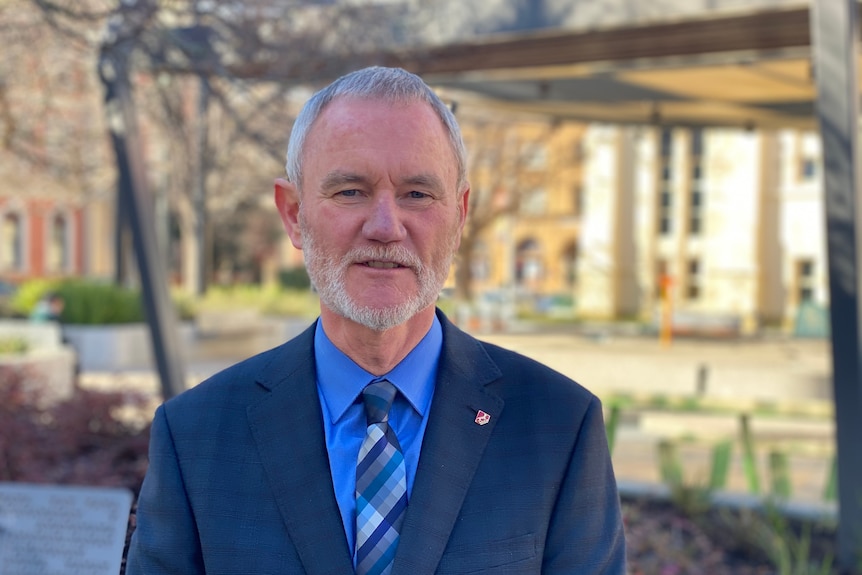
(382, 265)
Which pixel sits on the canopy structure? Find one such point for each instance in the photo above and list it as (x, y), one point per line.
(750, 70)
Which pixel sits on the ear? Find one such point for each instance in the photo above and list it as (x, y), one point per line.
(287, 203)
(463, 202)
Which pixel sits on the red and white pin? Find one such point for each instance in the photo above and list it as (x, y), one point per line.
(482, 418)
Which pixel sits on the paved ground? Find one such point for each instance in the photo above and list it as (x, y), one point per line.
(784, 383)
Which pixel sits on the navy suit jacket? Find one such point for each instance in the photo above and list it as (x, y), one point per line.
(239, 480)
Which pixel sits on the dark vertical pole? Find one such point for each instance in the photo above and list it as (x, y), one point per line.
(121, 244)
(114, 71)
(834, 32)
(200, 186)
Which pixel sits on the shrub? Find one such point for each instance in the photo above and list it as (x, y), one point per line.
(294, 278)
(89, 302)
(82, 440)
(100, 303)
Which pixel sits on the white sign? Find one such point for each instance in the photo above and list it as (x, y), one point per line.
(58, 530)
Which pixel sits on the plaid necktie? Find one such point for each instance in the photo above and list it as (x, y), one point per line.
(381, 485)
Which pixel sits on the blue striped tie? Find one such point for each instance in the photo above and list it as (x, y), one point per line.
(381, 485)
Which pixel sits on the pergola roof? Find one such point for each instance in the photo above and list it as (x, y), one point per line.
(749, 70)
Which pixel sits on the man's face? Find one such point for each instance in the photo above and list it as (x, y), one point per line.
(380, 216)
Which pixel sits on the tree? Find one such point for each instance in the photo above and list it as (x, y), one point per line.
(213, 101)
(49, 103)
(504, 176)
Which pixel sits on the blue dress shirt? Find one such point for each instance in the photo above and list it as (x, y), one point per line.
(340, 382)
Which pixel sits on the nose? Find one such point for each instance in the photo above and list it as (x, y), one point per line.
(383, 223)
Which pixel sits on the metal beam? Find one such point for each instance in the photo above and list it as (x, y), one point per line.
(834, 32)
(114, 67)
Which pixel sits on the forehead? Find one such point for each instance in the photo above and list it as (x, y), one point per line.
(356, 127)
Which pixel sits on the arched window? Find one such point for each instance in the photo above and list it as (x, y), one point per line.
(528, 262)
(480, 264)
(58, 258)
(12, 242)
(569, 264)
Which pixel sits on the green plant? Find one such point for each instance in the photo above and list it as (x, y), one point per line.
(93, 302)
(791, 548)
(611, 426)
(185, 305)
(13, 345)
(90, 302)
(779, 470)
(749, 458)
(294, 278)
(721, 455)
(29, 293)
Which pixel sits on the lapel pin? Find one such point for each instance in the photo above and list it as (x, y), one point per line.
(482, 418)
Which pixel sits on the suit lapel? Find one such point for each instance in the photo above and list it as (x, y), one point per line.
(451, 450)
(288, 428)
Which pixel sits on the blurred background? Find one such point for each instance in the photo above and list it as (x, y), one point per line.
(652, 226)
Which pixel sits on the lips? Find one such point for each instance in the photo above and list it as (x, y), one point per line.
(382, 265)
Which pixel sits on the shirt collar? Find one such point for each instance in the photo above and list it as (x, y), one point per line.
(341, 380)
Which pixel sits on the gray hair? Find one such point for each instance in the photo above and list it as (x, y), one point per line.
(392, 85)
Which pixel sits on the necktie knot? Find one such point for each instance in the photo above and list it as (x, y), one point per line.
(378, 397)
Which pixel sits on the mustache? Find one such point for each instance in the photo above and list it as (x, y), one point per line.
(396, 254)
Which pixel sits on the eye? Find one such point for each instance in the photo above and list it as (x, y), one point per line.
(349, 193)
(417, 195)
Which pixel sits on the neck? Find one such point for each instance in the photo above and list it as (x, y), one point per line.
(377, 352)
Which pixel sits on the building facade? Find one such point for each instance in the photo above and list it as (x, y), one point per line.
(723, 227)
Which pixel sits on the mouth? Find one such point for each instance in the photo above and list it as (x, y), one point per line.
(382, 265)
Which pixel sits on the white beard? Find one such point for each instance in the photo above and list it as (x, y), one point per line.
(329, 278)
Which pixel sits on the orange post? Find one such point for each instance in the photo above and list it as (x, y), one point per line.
(666, 328)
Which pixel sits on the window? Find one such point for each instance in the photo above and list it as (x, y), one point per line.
(534, 156)
(480, 265)
(11, 242)
(535, 202)
(808, 168)
(578, 200)
(695, 204)
(804, 280)
(697, 142)
(58, 244)
(579, 153)
(528, 262)
(665, 212)
(568, 264)
(666, 142)
(695, 220)
(665, 199)
(693, 287)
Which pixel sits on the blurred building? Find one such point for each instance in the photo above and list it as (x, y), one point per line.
(598, 218)
(725, 226)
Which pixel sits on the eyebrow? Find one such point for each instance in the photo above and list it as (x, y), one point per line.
(338, 178)
(424, 181)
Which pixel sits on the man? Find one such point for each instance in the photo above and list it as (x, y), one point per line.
(485, 462)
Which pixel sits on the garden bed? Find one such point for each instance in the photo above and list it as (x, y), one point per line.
(85, 440)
